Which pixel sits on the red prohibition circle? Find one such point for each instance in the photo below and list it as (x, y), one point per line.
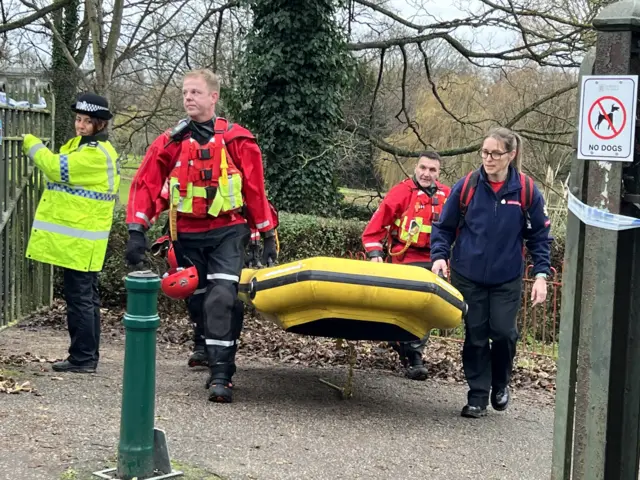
(598, 104)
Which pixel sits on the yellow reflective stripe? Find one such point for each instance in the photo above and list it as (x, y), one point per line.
(216, 205)
(200, 192)
(186, 202)
(228, 195)
(70, 231)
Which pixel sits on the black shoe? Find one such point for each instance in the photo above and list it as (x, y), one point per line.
(472, 411)
(500, 399)
(67, 366)
(198, 358)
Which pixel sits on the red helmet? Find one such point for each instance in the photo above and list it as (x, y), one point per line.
(180, 283)
(171, 258)
(160, 246)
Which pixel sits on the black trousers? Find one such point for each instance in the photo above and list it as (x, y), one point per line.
(214, 308)
(83, 316)
(493, 312)
(412, 351)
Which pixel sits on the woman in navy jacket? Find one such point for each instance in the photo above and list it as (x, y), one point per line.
(487, 265)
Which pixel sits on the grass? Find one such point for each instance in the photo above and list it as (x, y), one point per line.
(9, 373)
(69, 474)
(360, 197)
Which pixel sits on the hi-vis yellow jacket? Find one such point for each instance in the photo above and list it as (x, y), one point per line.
(74, 217)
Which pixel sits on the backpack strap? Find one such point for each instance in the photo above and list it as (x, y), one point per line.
(468, 189)
(526, 193)
(466, 193)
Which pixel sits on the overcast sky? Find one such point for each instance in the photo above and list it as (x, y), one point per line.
(428, 11)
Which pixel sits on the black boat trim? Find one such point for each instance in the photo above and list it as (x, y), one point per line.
(357, 279)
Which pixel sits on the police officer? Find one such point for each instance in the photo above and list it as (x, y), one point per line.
(73, 221)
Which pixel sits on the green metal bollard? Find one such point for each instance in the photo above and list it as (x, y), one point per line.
(142, 449)
(141, 321)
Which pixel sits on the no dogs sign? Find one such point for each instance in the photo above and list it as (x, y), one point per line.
(607, 117)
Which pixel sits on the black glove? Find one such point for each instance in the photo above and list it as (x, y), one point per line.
(269, 252)
(136, 247)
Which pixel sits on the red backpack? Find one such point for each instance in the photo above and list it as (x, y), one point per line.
(469, 188)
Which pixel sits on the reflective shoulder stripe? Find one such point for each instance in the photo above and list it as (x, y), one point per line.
(33, 150)
(64, 168)
(81, 192)
(70, 231)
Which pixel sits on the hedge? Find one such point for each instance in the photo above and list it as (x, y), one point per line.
(300, 236)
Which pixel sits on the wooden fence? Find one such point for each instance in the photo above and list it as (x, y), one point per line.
(24, 285)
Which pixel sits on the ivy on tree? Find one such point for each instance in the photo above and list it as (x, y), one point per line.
(64, 77)
(289, 90)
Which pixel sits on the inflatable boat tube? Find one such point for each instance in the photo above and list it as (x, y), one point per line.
(353, 299)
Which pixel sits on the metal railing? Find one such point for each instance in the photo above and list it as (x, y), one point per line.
(24, 285)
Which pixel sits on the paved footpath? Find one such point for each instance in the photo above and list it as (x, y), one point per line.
(284, 423)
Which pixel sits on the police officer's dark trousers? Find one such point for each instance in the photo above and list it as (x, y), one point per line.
(217, 312)
(83, 316)
(493, 312)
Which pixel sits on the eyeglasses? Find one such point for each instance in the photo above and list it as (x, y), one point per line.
(495, 155)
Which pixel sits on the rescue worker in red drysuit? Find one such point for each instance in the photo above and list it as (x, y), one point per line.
(406, 212)
(160, 247)
(216, 184)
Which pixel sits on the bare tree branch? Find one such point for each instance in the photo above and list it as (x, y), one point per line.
(39, 13)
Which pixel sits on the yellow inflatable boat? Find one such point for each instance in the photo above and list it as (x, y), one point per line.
(352, 299)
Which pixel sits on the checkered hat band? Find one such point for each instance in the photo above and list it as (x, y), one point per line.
(89, 107)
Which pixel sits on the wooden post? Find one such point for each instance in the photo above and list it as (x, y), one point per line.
(598, 400)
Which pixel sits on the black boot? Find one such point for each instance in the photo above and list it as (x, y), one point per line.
(199, 357)
(220, 389)
(415, 366)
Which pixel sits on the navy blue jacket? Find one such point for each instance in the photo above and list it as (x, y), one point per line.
(488, 249)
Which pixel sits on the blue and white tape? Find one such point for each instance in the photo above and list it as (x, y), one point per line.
(600, 218)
